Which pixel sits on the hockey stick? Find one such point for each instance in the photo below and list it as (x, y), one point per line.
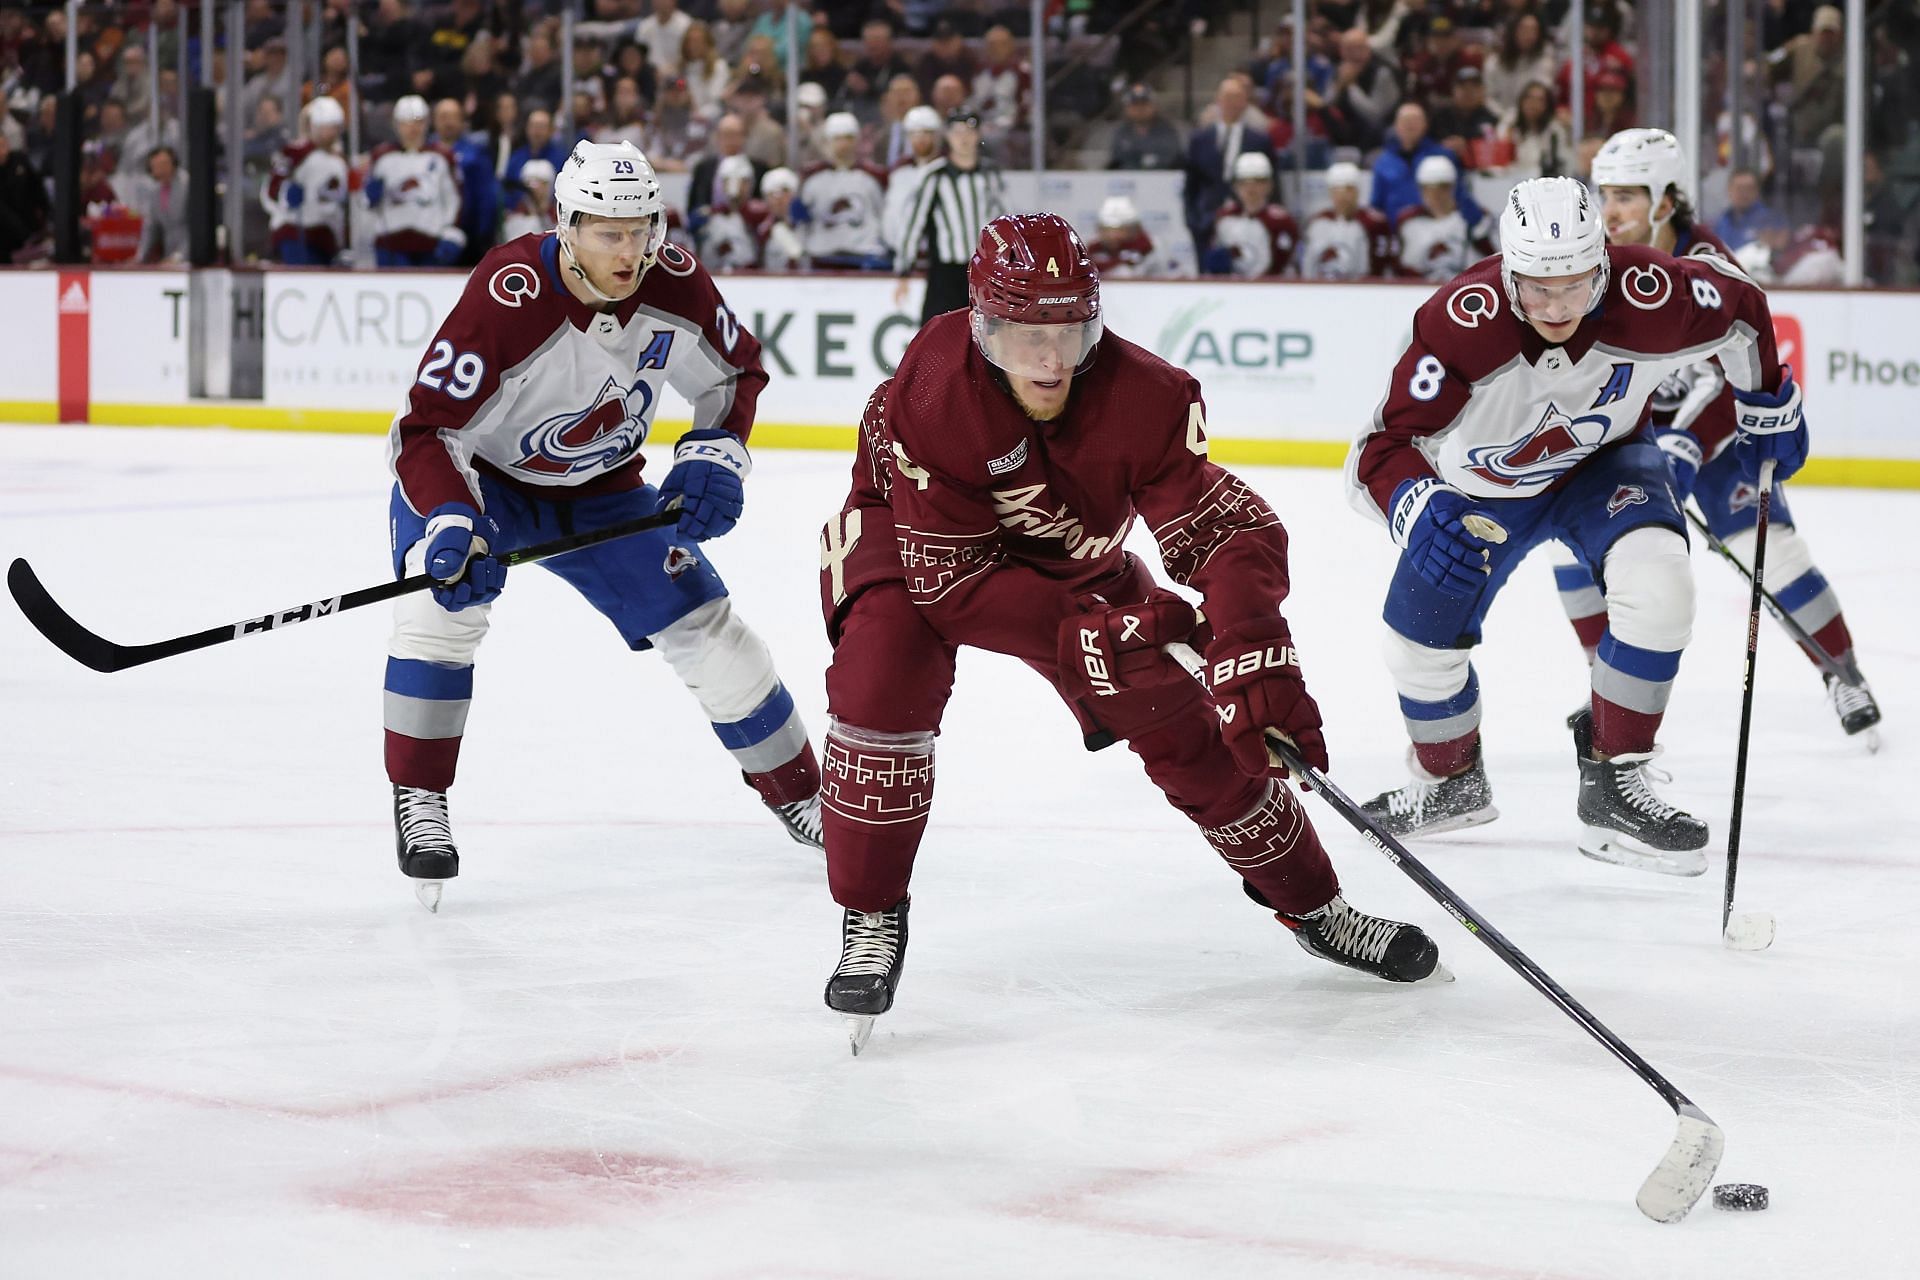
(1751, 930)
(1685, 1172)
(88, 649)
(1801, 636)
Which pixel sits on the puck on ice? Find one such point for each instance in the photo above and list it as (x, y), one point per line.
(1740, 1195)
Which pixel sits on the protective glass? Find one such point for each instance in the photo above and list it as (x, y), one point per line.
(611, 235)
(1041, 352)
(1556, 300)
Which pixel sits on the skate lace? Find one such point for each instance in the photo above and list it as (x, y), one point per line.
(1411, 800)
(423, 819)
(871, 943)
(1355, 932)
(1636, 788)
(1848, 698)
(803, 819)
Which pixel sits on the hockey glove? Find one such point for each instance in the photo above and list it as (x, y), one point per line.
(295, 195)
(447, 252)
(1254, 674)
(1770, 425)
(459, 540)
(1117, 647)
(709, 473)
(1683, 460)
(1427, 520)
(374, 189)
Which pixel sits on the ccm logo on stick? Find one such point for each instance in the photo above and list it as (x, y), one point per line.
(305, 613)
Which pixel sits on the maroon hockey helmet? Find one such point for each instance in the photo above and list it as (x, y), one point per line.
(1035, 295)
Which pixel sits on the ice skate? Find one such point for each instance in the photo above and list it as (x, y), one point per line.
(801, 818)
(1624, 821)
(1384, 948)
(1853, 704)
(873, 948)
(424, 839)
(1427, 805)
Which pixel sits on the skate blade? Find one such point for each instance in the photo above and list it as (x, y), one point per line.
(1460, 822)
(1610, 846)
(859, 1028)
(1871, 736)
(1749, 931)
(1440, 974)
(428, 892)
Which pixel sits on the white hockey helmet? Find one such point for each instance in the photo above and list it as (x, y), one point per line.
(536, 170)
(922, 119)
(1649, 158)
(1435, 171)
(325, 113)
(1756, 260)
(1551, 227)
(1252, 164)
(841, 124)
(779, 180)
(1344, 174)
(1118, 211)
(608, 180)
(411, 107)
(732, 169)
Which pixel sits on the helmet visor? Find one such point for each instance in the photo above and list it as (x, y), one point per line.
(611, 235)
(1557, 299)
(1040, 352)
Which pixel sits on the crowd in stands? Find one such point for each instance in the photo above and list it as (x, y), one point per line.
(1417, 113)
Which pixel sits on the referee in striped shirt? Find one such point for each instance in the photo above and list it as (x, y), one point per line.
(958, 196)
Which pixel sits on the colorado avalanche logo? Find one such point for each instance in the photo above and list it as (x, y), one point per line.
(678, 561)
(1247, 241)
(1550, 450)
(1646, 287)
(1623, 497)
(602, 436)
(1744, 495)
(1470, 304)
(514, 284)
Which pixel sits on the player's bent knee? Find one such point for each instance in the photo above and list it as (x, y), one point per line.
(1788, 555)
(721, 660)
(1650, 599)
(425, 632)
(1423, 673)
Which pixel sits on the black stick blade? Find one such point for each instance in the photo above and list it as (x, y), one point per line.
(58, 626)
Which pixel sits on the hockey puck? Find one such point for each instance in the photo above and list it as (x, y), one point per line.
(1740, 1195)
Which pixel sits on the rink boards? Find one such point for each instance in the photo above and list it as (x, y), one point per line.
(1291, 370)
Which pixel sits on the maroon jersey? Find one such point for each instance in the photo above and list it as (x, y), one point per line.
(1481, 401)
(1337, 248)
(1004, 525)
(1711, 421)
(1260, 240)
(1130, 257)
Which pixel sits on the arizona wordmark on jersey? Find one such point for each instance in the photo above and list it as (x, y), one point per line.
(525, 380)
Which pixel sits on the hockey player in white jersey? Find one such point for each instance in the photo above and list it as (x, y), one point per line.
(781, 245)
(1349, 239)
(923, 129)
(525, 423)
(845, 203)
(726, 236)
(305, 194)
(413, 193)
(1436, 242)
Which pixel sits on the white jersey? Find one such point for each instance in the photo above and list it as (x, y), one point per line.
(321, 176)
(1437, 249)
(846, 213)
(526, 382)
(727, 238)
(419, 199)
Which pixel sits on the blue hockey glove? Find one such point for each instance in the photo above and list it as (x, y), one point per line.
(1770, 425)
(459, 540)
(1428, 521)
(447, 252)
(294, 195)
(709, 472)
(374, 189)
(1683, 460)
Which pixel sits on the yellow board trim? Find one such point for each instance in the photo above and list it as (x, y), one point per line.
(1848, 473)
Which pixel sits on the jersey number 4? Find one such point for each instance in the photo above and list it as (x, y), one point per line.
(464, 378)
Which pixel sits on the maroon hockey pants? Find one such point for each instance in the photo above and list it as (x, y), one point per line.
(887, 689)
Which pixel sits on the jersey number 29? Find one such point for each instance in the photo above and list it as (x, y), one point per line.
(464, 379)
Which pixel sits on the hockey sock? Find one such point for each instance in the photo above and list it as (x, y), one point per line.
(1630, 691)
(876, 794)
(797, 779)
(1276, 850)
(1446, 732)
(425, 714)
(1586, 607)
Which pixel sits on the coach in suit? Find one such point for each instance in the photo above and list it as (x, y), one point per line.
(1211, 152)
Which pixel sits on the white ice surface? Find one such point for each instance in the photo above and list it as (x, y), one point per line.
(232, 1044)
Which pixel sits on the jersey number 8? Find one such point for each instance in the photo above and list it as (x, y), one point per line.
(464, 379)
(1428, 374)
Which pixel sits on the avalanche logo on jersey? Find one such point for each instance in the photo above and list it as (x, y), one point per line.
(1551, 449)
(1623, 497)
(601, 436)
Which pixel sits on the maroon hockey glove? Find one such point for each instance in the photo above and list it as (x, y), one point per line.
(1254, 674)
(1117, 647)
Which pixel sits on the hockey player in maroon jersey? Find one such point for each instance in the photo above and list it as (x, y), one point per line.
(1121, 248)
(525, 423)
(999, 471)
(1436, 243)
(1693, 422)
(1253, 234)
(1350, 239)
(305, 194)
(1513, 419)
